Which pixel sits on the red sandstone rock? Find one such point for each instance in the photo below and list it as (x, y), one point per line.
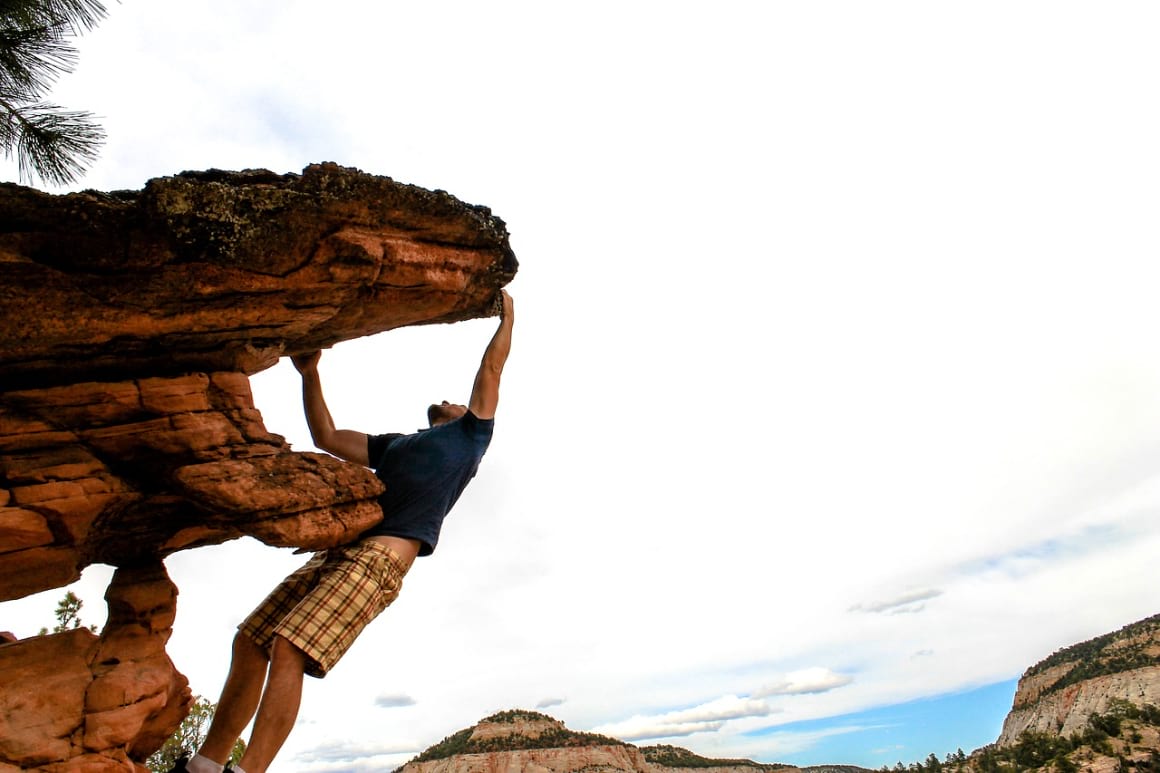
(152, 466)
(219, 271)
(78, 701)
(40, 708)
(129, 323)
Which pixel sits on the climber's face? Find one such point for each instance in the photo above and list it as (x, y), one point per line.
(441, 413)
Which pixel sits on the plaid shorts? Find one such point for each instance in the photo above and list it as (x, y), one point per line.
(323, 607)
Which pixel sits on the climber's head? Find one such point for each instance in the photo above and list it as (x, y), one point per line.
(441, 413)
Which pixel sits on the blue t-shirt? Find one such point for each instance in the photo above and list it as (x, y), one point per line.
(424, 474)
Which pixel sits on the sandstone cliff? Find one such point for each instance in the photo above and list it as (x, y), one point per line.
(1091, 707)
(1059, 694)
(129, 325)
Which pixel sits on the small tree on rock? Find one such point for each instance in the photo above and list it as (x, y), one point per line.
(68, 612)
(189, 737)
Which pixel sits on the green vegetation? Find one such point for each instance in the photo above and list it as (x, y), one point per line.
(676, 757)
(68, 615)
(1109, 664)
(517, 715)
(189, 737)
(448, 747)
(1098, 656)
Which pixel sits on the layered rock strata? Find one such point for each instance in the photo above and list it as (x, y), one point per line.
(1058, 695)
(1067, 711)
(602, 759)
(129, 471)
(129, 325)
(220, 271)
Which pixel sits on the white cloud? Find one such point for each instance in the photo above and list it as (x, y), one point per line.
(394, 701)
(792, 741)
(904, 603)
(353, 755)
(548, 703)
(805, 682)
(707, 717)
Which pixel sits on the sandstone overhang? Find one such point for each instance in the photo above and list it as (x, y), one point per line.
(130, 323)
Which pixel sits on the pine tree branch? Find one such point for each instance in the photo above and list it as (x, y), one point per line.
(49, 142)
(80, 15)
(32, 58)
(53, 144)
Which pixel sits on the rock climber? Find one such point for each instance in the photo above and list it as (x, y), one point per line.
(309, 621)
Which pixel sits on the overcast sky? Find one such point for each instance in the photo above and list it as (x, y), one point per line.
(835, 381)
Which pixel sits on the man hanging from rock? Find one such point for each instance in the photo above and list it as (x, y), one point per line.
(306, 624)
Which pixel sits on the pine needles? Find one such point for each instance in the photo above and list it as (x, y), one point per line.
(50, 143)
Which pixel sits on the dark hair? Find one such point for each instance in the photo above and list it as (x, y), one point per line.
(432, 414)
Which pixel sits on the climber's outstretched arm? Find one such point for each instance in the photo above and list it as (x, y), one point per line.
(485, 392)
(343, 443)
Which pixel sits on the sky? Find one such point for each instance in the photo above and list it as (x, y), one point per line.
(834, 396)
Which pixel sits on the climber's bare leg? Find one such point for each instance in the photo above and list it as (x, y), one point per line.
(278, 708)
(240, 695)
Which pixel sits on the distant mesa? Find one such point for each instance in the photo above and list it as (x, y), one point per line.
(520, 740)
